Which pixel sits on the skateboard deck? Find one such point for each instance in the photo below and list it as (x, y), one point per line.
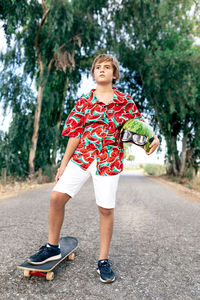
(67, 245)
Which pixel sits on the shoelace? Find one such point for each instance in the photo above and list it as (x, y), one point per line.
(42, 248)
(106, 266)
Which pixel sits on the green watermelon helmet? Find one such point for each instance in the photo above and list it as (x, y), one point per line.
(137, 132)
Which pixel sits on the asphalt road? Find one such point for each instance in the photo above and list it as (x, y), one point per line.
(155, 250)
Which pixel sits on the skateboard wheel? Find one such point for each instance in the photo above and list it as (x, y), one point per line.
(71, 256)
(27, 273)
(50, 276)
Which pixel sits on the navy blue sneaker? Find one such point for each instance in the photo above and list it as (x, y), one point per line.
(105, 271)
(44, 255)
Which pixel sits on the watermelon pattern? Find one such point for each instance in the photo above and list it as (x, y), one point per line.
(98, 125)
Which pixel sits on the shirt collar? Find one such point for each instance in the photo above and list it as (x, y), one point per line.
(117, 98)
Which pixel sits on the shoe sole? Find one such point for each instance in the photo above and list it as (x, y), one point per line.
(105, 281)
(44, 261)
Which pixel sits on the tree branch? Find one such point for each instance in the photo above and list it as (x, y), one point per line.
(39, 30)
(44, 5)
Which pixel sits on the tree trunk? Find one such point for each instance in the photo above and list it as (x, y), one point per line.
(175, 158)
(54, 154)
(183, 155)
(39, 96)
(169, 168)
(175, 170)
(3, 177)
(35, 133)
(190, 160)
(172, 167)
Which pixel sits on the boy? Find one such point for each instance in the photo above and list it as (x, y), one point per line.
(93, 148)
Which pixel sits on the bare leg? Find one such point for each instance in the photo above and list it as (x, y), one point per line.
(56, 215)
(106, 229)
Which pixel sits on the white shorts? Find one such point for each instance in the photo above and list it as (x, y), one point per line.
(74, 177)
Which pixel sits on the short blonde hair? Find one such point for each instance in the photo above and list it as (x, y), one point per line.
(106, 57)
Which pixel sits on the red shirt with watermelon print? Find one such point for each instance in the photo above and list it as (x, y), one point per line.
(98, 125)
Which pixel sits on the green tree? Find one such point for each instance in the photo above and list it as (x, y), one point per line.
(55, 38)
(154, 42)
(14, 145)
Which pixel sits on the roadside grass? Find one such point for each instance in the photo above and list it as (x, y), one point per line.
(133, 169)
(14, 187)
(193, 184)
(155, 169)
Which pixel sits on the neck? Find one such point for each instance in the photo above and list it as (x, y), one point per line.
(101, 89)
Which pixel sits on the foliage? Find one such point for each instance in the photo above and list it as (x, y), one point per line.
(161, 63)
(14, 146)
(48, 173)
(131, 157)
(154, 169)
(50, 44)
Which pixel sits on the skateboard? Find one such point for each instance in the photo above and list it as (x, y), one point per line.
(67, 246)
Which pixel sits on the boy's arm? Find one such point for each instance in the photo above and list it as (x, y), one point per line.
(71, 147)
(136, 114)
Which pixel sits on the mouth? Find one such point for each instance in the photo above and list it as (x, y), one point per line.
(102, 75)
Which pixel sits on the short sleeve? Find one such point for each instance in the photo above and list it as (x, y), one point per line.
(74, 125)
(133, 109)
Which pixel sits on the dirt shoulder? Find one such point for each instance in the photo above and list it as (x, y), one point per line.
(20, 187)
(179, 189)
(17, 188)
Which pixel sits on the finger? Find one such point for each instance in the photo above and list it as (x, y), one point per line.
(155, 141)
(152, 144)
(152, 149)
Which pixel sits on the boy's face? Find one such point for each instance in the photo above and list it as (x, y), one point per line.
(103, 72)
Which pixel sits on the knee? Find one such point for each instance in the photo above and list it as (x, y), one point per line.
(106, 211)
(58, 199)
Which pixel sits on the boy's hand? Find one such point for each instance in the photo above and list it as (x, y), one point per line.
(153, 145)
(59, 173)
